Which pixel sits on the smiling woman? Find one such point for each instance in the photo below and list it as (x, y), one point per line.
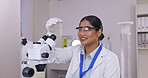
(88, 59)
(90, 32)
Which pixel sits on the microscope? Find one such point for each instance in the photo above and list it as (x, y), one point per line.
(36, 54)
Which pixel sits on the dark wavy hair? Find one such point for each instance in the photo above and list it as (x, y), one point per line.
(94, 21)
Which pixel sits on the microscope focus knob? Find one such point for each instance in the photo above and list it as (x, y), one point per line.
(44, 55)
(28, 72)
(53, 37)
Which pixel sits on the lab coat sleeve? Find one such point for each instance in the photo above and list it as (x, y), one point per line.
(62, 55)
(112, 69)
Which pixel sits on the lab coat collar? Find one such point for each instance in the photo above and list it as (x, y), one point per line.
(92, 53)
(99, 59)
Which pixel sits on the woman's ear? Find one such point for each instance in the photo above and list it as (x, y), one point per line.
(99, 32)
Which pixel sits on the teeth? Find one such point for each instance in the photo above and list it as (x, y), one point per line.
(83, 38)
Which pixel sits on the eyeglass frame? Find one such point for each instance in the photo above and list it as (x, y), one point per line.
(89, 28)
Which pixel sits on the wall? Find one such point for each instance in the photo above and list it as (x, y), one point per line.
(110, 11)
(35, 13)
(27, 19)
(40, 16)
(10, 39)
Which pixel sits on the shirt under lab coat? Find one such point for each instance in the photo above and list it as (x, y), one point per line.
(86, 64)
(106, 65)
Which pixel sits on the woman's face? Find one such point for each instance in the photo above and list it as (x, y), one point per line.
(88, 37)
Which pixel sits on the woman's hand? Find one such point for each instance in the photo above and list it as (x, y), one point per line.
(52, 24)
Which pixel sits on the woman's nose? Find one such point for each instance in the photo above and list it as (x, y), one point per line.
(82, 33)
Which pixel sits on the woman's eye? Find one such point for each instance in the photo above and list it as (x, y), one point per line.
(86, 29)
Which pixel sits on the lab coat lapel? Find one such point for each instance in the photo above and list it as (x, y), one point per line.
(99, 60)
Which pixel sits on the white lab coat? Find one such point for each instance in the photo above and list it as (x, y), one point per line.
(106, 65)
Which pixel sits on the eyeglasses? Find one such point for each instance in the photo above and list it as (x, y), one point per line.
(86, 28)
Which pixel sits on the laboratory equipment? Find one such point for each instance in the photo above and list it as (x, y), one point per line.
(106, 42)
(125, 55)
(36, 54)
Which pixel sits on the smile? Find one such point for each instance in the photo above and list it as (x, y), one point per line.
(83, 38)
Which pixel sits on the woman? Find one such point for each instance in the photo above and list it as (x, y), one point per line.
(90, 59)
